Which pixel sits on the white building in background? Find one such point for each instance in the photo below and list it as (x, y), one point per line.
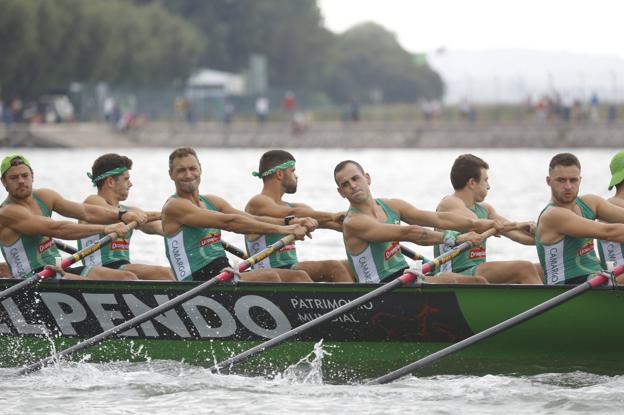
(211, 83)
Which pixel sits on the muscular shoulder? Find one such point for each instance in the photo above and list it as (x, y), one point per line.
(95, 200)
(450, 203)
(47, 196)
(257, 203)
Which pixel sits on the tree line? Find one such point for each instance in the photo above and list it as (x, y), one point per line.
(47, 44)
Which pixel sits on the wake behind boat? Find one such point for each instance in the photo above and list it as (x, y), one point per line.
(382, 335)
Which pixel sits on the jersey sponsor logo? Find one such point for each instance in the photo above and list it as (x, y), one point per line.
(290, 247)
(392, 250)
(477, 253)
(179, 263)
(554, 272)
(368, 277)
(212, 238)
(120, 245)
(45, 245)
(589, 247)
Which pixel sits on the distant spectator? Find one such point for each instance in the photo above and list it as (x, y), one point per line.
(262, 109)
(593, 110)
(289, 103)
(612, 113)
(354, 110)
(228, 113)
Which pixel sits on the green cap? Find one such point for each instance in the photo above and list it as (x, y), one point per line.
(617, 169)
(9, 162)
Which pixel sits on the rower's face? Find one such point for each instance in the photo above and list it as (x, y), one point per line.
(289, 182)
(186, 173)
(564, 182)
(482, 186)
(18, 181)
(122, 185)
(353, 184)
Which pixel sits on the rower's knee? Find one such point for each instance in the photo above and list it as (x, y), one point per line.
(292, 275)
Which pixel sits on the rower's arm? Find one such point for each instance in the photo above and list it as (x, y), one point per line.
(262, 205)
(21, 221)
(521, 232)
(368, 229)
(558, 222)
(441, 220)
(605, 210)
(183, 212)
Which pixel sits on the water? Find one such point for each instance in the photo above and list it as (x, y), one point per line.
(518, 191)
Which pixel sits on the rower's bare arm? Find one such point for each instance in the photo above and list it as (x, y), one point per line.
(521, 232)
(368, 229)
(152, 228)
(21, 221)
(558, 222)
(605, 210)
(262, 205)
(183, 212)
(441, 220)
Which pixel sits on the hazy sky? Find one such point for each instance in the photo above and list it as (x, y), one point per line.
(579, 26)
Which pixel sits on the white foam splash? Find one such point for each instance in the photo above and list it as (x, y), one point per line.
(308, 370)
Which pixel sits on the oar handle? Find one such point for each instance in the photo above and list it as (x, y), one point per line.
(234, 250)
(65, 247)
(416, 256)
(446, 257)
(224, 276)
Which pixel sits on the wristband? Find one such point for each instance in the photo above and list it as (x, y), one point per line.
(287, 219)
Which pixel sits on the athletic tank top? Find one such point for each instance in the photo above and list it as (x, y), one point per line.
(570, 257)
(117, 250)
(190, 249)
(378, 260)
(30, 252)
(610, 251)
(467, 259)
(284, 258)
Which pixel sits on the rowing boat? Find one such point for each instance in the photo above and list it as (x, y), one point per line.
(586, 333)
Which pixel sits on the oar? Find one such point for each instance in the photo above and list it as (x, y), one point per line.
(65, 247)
(234, 250)
(411, 254)
(599, 279)
(403, 280)
(66, 262)
(222, 277)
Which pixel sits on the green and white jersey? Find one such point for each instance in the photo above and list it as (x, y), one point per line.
(570, 257)
(30, 252)
(610, 251)
(378, 260)
(117, 250)
(473, 257)
(191, 249)
(284, 258)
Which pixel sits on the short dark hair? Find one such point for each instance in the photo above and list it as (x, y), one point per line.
(343, 164)
(108, 162)
(271, 159)
(466, 167)
(564, 159)
(181, 152)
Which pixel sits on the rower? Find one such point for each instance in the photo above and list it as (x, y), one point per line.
(110, 173)
(192, 225)
(608, 250)
(26, 229)
(277, 171)
(469, 177)
(372, 230)
(567, 226)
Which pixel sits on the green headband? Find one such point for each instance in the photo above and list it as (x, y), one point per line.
(7, 162)
(283, 166)
(114, 172)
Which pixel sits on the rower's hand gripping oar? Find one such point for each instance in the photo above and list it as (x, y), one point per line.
(222, 277)
(596, 281)
(403, 280)
(66, 262)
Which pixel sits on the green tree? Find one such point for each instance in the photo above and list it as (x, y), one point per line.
(47, 44)
(368, 58)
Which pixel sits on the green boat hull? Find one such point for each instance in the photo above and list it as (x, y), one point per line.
(585, 333)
